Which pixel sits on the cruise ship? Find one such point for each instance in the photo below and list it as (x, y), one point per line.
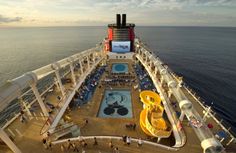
(116, 97)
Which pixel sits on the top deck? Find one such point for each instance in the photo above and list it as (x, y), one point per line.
(83, 100)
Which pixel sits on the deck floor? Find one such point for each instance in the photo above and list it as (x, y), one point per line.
(32, 140)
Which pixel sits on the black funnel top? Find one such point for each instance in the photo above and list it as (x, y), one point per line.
(123, 19)
(118, 23)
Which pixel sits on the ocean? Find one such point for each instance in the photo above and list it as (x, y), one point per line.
(204, 56)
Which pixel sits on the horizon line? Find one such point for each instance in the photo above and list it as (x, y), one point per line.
(210, 26)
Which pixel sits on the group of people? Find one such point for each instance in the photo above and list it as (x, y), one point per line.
(69, 146)
(123, 76)
(121, 73)
(22, 117)
(127, 141)
(115, 149)
(130, 126)
(116, 82)
(47, 142)
(88, 86)
(76, 146)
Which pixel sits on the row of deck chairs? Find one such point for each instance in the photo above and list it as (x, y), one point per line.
(85, 92)
(145, 81)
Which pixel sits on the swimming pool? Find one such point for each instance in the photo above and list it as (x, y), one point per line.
(119, 68)
(116, 104)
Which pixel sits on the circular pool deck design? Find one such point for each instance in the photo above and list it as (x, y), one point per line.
(120, 68)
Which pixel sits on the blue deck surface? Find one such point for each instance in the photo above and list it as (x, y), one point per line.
(116, 104)
(120, 68)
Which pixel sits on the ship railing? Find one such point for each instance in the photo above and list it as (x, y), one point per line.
(46, 70)
(68, 100)
(203, 104)
(212, 114)
(113, 138)
(41, 73)
(178, 132)
(45, 90)
(197, 98)
(204, 134)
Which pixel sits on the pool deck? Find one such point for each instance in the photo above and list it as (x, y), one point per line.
(119, 67)
(31, 139)
(116, 105)
(108, 126)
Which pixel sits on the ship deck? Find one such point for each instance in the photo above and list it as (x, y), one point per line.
(29, 139)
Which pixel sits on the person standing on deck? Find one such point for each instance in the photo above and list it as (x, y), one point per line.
(124, 137)
(116, 150)
(75, 147)
(110, 144)
(95, 141)
(45, 143)
(62, 148)
(134, 126)
(128, 141)
(140, 142)
(50, 145)
(84, 144)
(22, 117)
(70, 145)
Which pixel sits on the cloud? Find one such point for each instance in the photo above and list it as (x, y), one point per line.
(214, 2)
(100, 12)
(9, 19)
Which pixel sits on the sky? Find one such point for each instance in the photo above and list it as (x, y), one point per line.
(102, 12)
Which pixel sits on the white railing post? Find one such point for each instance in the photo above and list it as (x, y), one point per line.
(39, 99)
(156, 70)
(81, 67)
(230, 141)
(181, 118)
(94, 58)
(169, 93)
(88, 61)
(72, 74)
(206, 113)
(4, 137)
(26, 108)
(60, 83)
(146, 59)
(56, 68)
(72, 71)
(162, 79)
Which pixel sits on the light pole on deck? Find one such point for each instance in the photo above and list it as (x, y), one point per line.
(207, 112)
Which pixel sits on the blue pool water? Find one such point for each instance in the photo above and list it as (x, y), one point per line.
(116, 104)
(120, 68)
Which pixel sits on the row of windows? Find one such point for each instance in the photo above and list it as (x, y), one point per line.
(117, 57)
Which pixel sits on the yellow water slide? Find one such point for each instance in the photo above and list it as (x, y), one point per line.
(151, 120)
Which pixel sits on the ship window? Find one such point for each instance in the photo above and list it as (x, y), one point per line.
(124, 56)
(116, 57)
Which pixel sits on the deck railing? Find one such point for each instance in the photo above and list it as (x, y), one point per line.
(203, 133)
(201, 102)
(109, 138)
(41, 73)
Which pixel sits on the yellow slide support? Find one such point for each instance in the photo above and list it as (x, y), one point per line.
(143, 116)
(151, 120)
